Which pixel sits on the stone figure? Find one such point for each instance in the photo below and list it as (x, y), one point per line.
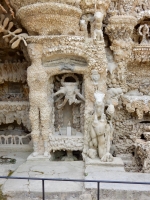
(69, 91)
(144, 32)
(100, 131)
(83, 27)
(95, 76)
(38, 96)
(98, 18)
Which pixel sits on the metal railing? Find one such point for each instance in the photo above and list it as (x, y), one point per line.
(73, 180)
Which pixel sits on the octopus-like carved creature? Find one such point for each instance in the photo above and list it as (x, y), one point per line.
(69, 92)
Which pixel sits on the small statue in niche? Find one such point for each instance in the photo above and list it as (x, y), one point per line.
(95, 76)
(69, 91)
(122, 11)
(83, 27)
(98, 18)
(144, 32)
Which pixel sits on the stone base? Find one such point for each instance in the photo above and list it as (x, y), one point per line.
(38, 158)
(117, 162)
(32, 189)
(114, 171)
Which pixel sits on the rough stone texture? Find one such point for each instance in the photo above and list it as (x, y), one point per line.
(74, 77)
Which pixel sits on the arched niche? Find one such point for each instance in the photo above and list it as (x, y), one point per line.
(69, 102)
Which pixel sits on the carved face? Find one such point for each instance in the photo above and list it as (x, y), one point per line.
(95, 76)
(145, 28)
(98, 16)
(70, 90)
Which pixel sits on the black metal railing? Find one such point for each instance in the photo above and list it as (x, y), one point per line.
(73, 180)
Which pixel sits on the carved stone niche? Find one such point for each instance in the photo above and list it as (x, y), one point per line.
(68, 112)
(68, 103)
(60, 85)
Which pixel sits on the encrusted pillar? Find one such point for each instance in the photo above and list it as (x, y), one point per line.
(38, 97)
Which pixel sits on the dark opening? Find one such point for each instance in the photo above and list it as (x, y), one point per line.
(142, 137)
(133, 153)
(70, 79)
(89, 29)
(145, 122)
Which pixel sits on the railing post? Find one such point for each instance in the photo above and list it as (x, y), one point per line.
(43, 190)
(98, 190)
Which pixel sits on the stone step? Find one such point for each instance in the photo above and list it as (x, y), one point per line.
(116, 191)
(32, 189)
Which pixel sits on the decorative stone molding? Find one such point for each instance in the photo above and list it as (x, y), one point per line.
(121, 27)
(141, 53)
(72, 45)
(65, 143)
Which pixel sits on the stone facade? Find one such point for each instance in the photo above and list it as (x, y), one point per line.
(75, 77)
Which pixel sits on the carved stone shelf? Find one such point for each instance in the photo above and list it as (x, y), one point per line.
(64, 142)
(140, 104)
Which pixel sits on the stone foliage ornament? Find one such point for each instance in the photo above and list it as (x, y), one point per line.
(16, 36)
(9, 7)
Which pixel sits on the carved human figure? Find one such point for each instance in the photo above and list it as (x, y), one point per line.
(83, 27)
(144, 32)
(95, 76)
(38, 96)
(98, 18)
